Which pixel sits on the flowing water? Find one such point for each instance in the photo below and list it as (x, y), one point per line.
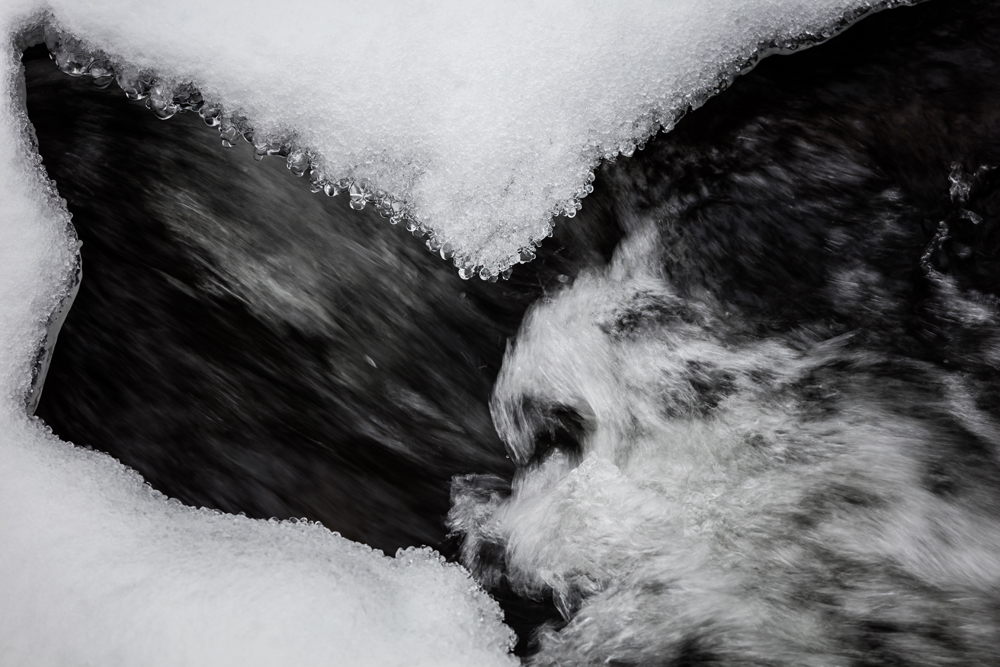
(741, 410)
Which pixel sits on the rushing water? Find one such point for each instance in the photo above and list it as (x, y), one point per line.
(741, 411)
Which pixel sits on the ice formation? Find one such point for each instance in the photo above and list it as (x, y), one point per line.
(476, 123)
(97, 568)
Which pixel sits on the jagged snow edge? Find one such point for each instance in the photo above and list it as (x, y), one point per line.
(36, 219)
(166, 96)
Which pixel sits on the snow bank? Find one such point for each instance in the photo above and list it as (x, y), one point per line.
(96, 568)
(472, 121)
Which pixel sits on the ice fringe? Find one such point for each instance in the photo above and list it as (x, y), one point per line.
(166, 97)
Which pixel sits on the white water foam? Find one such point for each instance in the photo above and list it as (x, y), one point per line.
(485, 119)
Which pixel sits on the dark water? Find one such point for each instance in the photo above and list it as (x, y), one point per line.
(252, 347)
(795, 291)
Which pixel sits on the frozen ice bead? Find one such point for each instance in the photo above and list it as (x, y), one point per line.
(297, 162)
(161, 100)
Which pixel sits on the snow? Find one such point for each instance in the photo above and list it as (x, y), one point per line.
(479, 120)
(97, 568)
